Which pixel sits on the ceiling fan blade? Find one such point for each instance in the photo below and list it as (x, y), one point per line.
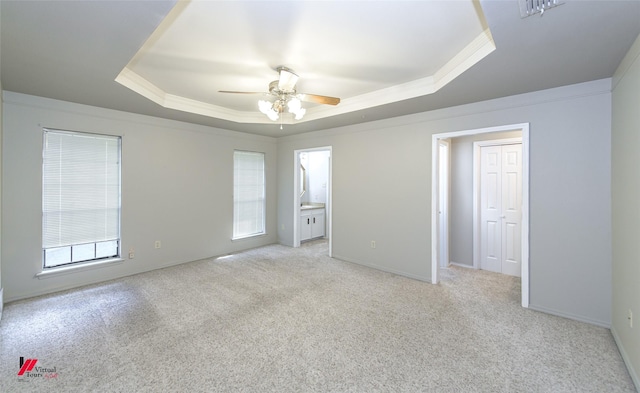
(240, 92)
(319, 99)
(287, 81)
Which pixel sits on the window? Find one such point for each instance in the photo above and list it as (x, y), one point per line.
(248, 194)
(80, 197)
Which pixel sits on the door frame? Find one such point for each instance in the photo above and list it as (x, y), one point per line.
(524, 128)
(296, 196)
(443, 216)
(476, 189)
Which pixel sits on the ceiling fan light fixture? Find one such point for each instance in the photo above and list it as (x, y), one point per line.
(300, 113)
(294, 105)
(273, 109)
(266, 107)
(273, 115)
(283, 93)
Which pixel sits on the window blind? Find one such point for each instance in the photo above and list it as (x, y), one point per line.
(81, 193)
(248, 194)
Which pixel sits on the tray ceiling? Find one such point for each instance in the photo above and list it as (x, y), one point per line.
(368, 54)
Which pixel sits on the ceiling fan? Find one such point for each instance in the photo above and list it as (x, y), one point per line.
(286, 96)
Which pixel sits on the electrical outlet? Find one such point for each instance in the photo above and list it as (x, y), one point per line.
(132, 253)
(158, 244)
(630, 318)
(373, 244)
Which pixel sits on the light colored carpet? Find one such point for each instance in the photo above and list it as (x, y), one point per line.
(277, 319)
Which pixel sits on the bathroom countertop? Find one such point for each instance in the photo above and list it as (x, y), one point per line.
(309, 206)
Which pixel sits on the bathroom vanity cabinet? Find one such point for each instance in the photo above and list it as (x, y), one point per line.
(311, 223)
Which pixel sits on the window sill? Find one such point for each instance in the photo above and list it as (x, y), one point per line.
(235, 239)
(54, 272)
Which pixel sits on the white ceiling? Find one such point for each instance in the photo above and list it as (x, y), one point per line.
(382, 58)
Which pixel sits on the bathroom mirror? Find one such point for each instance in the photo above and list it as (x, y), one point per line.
(303, 180)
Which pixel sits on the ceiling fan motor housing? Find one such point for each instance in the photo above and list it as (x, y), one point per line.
(275, 90)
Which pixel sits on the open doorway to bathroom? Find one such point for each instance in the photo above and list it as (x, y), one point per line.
(312, 196)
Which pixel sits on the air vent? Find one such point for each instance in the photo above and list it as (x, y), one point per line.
(531, 7)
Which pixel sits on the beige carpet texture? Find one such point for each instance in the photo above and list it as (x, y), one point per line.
(278, 319)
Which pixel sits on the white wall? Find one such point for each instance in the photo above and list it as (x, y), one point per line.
(177, 187)
(461, 195)
(389, 161)
(626, 209)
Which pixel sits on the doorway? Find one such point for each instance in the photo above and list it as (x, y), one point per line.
(312, 190)
(437, 233)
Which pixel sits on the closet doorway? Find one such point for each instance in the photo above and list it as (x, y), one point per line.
(437, 233)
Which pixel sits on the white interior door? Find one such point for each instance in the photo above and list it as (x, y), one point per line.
(490, 209)
(443, 203)
(501, 208)
(511, 209)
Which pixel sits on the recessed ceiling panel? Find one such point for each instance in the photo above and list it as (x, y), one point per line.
(366, 53)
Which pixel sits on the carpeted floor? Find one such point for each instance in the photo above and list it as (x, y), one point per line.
(277, 319)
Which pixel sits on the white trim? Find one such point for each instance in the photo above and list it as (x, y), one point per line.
(461, 265)
(626, 359)
(524, 127)
(59, 271)
(444, 214)
(252, 236)
(296, 196)
(525, 216)
(476, 186)
(329, 208)
(434, 207)
(579, 318)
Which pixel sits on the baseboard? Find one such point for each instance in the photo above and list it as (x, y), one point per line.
(625, 358)
(578, 318)
(461, 265)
